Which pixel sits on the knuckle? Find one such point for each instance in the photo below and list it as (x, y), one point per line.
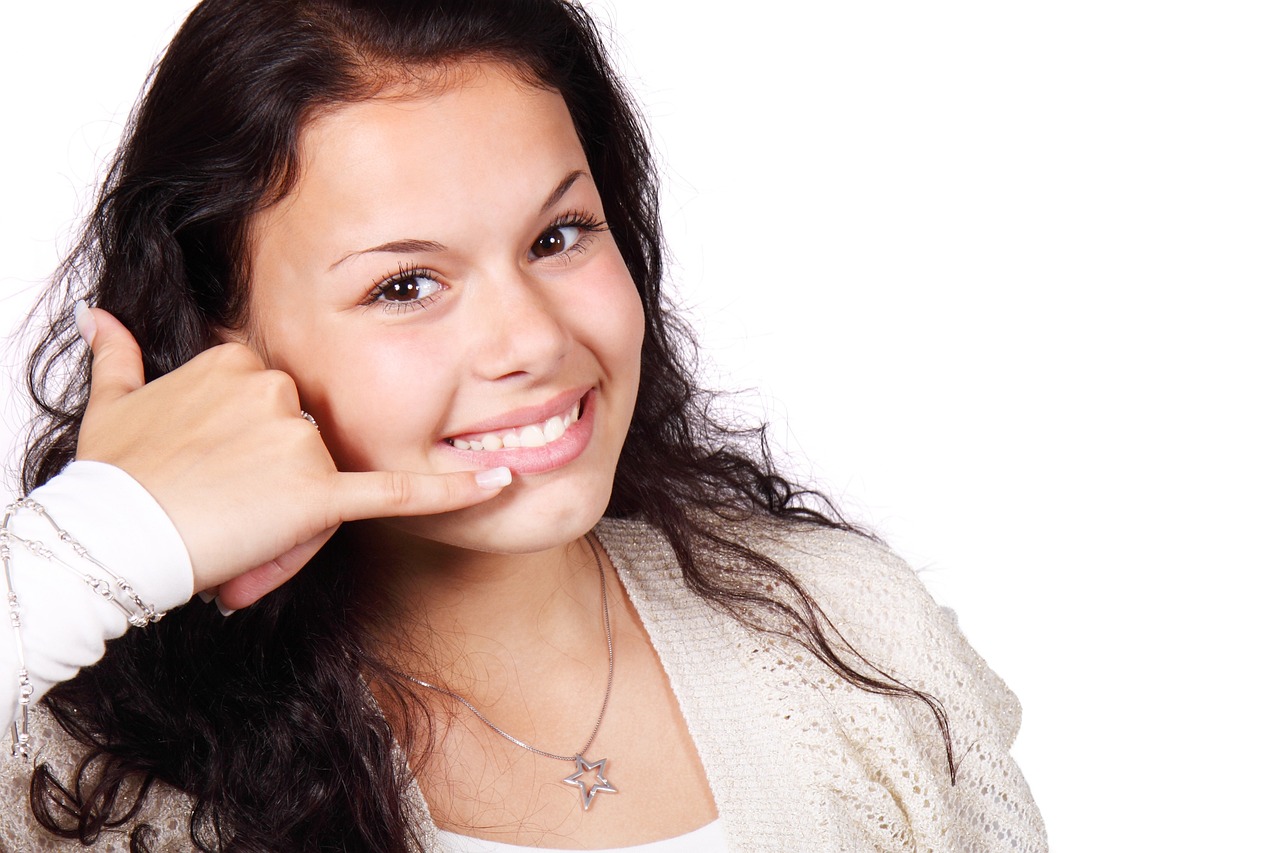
(234, 354)
(399, 486)
(452, 492)
(114, 346)
(276, 386)
(278, 382)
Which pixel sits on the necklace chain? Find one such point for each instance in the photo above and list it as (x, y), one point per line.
(608, 689)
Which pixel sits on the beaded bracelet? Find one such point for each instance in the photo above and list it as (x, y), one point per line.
(117, 591)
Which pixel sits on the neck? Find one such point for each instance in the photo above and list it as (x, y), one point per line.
(470, 620)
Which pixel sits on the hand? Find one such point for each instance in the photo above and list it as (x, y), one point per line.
(222, 447)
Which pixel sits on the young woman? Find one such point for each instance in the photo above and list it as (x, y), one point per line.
(379, 362)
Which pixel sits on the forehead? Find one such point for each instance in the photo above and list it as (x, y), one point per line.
(424, 157)
(471, 102)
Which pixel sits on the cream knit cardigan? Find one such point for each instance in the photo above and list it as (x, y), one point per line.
(798, 760)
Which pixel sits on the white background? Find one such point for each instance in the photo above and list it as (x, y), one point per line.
(1003, 277)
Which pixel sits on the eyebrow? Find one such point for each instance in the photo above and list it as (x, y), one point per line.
(412, 245)
(403, 247)
(560, 190)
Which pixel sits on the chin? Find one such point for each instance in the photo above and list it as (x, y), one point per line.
(526, 518)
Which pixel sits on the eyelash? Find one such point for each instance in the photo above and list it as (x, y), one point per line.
(404, 275)
(588, 223)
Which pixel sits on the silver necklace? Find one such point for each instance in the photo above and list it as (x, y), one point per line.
(582, 765)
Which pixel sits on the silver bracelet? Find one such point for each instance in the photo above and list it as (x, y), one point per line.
(117, 591)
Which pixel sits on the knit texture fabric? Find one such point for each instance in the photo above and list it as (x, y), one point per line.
(797, 758)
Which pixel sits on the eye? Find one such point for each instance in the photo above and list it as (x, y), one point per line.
(556, 240)
(407, 289)
(567, 236)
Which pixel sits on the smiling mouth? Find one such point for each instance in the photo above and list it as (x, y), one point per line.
(538, 434)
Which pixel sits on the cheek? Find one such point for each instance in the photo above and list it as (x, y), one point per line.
(613, 319)
(379, 398)
(630, 336)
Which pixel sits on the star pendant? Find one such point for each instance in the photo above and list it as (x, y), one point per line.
(602, 786)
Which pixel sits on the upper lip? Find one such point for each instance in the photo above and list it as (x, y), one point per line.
(526, 415)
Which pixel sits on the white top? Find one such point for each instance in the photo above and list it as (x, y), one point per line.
(708, 839)
(65, 626)
(797, 758)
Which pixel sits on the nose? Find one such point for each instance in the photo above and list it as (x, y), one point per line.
(518, 327)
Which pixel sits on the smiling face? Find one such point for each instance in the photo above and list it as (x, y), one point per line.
(443, 289)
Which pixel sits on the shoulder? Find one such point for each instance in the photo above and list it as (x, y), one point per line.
(879, 605)
(849, 570)
(872, 597)
(877, 754)
(812, 552)
(165, 810)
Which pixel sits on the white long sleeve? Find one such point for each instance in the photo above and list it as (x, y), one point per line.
(65, 626)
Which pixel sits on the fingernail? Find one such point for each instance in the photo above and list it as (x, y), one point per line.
(225, 611)
(85, 324)
(494, 478)
(205, 596)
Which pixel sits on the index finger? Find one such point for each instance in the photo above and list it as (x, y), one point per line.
(384, 494)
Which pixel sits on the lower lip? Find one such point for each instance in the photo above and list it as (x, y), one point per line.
(537, 460)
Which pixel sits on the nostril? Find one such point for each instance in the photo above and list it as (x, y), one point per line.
(519, 326)
(531, 351)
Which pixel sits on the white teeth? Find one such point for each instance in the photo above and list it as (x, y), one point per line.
(533, 435)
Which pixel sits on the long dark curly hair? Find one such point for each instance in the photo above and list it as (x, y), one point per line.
(266, 719)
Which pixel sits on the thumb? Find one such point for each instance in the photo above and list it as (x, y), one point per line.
(117, 360)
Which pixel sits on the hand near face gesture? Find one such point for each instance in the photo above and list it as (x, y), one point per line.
(221, 445)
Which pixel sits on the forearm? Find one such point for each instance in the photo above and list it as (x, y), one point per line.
(64, 625)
